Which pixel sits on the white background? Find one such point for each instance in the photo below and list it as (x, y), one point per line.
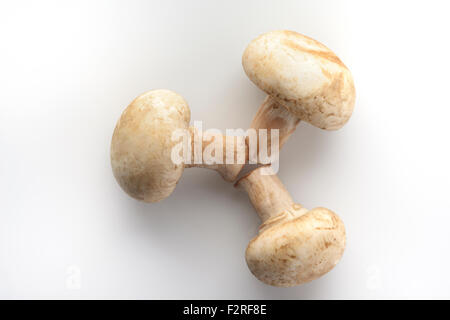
(69, 68)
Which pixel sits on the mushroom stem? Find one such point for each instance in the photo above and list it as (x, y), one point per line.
(266, 192)
(238, 154)
(272, 115)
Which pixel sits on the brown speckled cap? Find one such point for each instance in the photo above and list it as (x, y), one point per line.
(141, 145)
(297, 249)
(303, 75)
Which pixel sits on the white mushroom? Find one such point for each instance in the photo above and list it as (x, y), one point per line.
(304, 80)
(294, 245)
(142, 144)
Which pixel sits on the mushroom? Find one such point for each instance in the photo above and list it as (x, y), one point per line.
(294, 245)
(142, 144)
(304, 80)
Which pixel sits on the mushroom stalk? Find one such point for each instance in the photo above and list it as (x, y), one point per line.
(267, 194)
(272, 115)
(237, 154)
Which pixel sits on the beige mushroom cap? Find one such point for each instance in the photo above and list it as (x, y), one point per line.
(303, 75)
(141, 145)
(296, 247)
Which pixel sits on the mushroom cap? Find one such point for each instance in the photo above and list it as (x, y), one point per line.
(141, 145)
(303, 75)
(297, 248)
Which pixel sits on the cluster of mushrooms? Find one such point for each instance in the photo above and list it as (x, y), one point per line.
(305, 81)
